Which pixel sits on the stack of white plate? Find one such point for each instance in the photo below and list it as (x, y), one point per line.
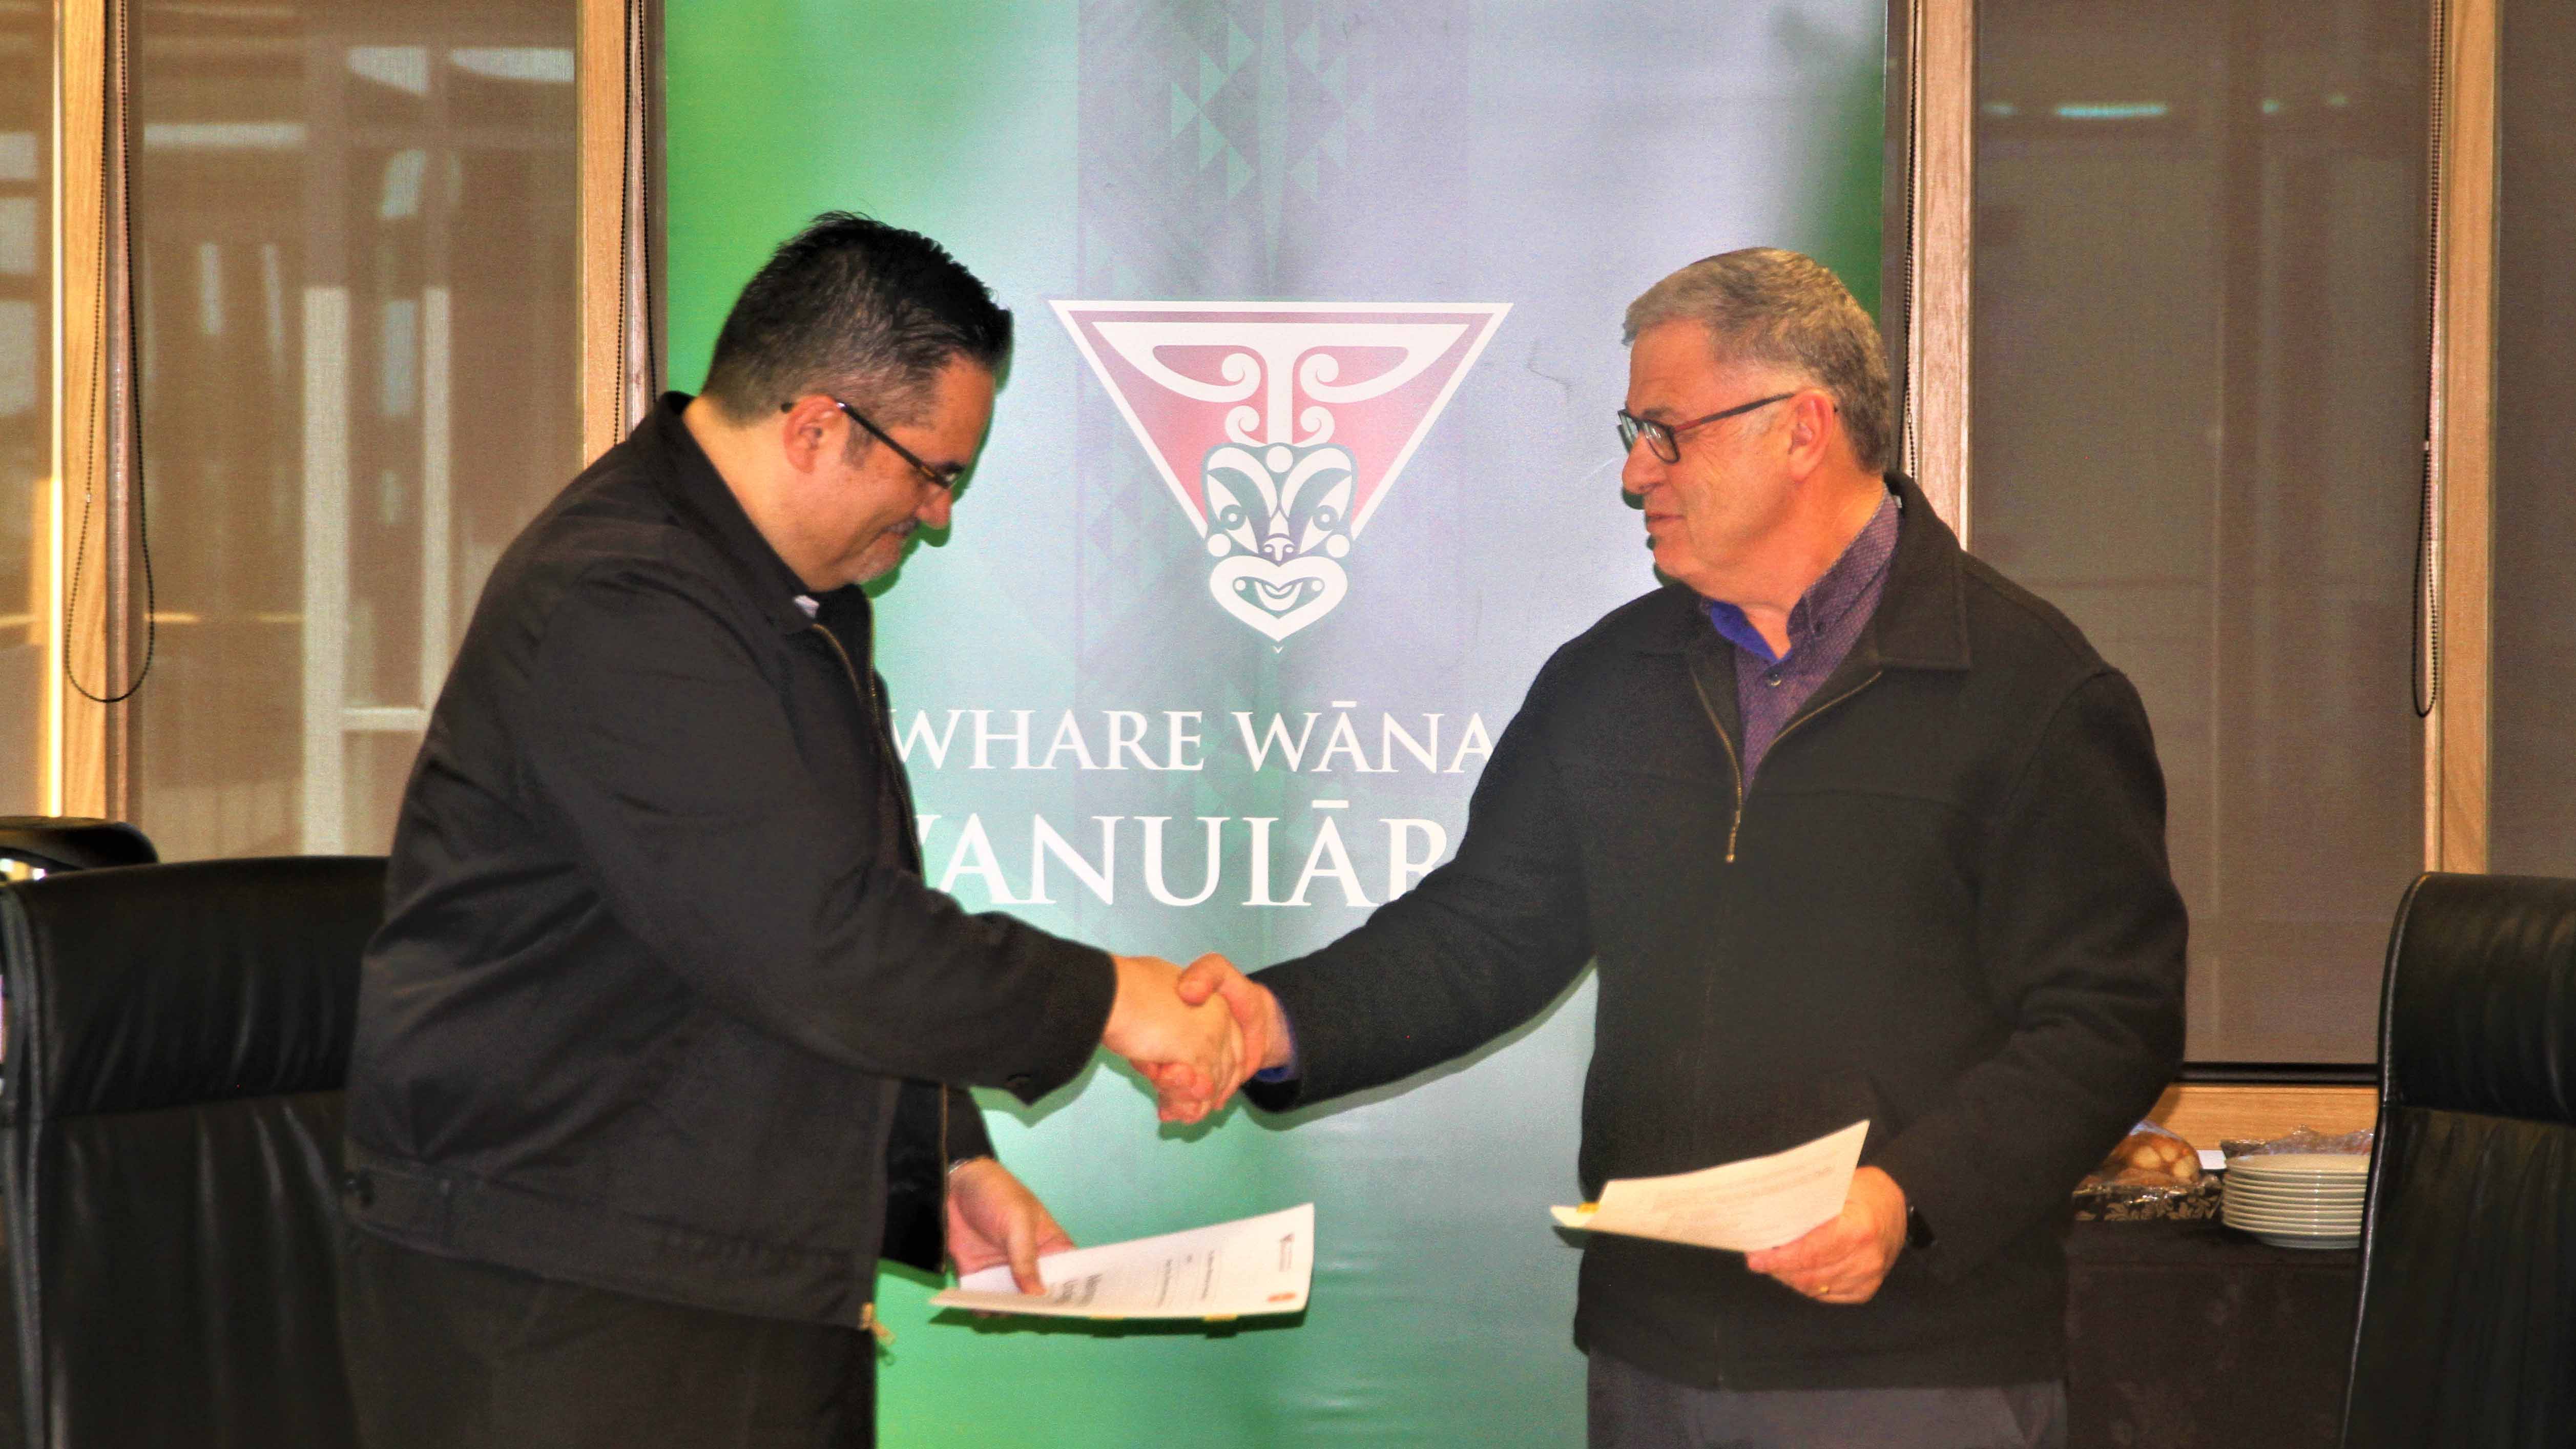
(2297, 1199)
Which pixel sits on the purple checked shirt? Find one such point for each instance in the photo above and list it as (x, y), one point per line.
(1769, 688)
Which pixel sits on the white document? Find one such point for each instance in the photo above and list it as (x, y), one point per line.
(1231, 1270)
(1760, 1202)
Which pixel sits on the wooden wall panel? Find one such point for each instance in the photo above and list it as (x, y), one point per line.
(2462, 434)
(79, 774)
(2204, 1114)
(613, 73)
(1944, 86)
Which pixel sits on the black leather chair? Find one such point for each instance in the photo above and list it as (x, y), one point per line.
(177, 1039)
(2468, 1299)
(70, 842)
(51, 843)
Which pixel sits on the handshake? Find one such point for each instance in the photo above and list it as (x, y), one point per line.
(1196, 1035)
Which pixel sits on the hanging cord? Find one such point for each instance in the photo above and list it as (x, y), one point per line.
(1907, 457)
(2425, 665)
(113, 150)
(2427, 610)
(633, 195)
(640, 97)
(625, 199)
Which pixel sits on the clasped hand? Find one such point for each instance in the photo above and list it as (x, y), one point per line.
(1197, 1035)
(1846, 1258)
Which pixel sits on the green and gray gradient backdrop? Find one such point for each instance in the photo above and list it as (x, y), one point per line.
(1555, 157)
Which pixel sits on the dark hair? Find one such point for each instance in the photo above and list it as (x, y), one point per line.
(850, 306)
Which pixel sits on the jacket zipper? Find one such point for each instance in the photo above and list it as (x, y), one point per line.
(1735, 823)
(867, 693)
(1734, 767)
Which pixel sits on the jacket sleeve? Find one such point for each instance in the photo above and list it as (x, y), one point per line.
(2081, 935)
(1477, 948)
(670, 762)
(933, 1127)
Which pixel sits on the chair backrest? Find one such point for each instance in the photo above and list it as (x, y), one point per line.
(170, 1125)
(71, 842)
(2468, 1299)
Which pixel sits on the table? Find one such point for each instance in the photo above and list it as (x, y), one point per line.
(2185, 1334)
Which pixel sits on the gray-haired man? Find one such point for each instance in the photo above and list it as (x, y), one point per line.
(1853, 827)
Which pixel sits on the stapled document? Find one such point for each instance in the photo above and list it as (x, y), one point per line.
(1229, 1270)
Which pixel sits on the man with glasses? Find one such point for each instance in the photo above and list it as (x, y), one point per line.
(665, 1042)
(1854, 828)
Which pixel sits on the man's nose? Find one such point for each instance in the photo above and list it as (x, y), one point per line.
(1640, 471)
(933, 511)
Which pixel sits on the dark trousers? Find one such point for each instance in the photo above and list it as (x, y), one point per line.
(1630, 1408)
(445, 1354)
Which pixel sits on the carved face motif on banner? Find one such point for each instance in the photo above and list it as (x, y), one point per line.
(1279, 427)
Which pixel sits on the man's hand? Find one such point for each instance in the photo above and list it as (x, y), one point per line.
(1256, 1012)
(1184, 1049)
(993, 1218)
(1266, 1042)
(1844, 1261)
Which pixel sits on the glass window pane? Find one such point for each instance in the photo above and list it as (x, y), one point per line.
(2534, 768)
(26, 397)
(355, 227)
(2199, 409)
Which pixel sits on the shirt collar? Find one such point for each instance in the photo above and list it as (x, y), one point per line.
(694, 482)
(1864, 560)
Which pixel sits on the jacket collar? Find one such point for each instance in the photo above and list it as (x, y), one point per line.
(1922, 616)
(697, 492)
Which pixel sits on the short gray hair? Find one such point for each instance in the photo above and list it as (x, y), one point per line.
(1767, 306)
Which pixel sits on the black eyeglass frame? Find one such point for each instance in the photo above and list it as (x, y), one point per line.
(937, 478)
(1664, 439)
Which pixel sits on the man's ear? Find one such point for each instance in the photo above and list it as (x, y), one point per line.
(1811, 430)
(805, 431)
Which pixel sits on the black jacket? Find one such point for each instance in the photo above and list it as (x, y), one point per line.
(1943, 905)
(660, 996)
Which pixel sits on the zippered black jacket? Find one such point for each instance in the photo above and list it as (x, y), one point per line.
(1943, 905)
(661, 1003)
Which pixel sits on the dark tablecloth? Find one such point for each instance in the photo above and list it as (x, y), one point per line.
(2188, 1334)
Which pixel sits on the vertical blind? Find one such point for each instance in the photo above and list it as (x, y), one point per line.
(2201, 362)
(26, 397)
(2533, 798)
(354, 229)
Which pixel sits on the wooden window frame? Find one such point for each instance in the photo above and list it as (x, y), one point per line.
(88, 750)
(2460, 432)
(1933, 97)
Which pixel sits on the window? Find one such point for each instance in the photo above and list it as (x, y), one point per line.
(2533, 812)
(26, 403)
(385, 263)
(2200, 382)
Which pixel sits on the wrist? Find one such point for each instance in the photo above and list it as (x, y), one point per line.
(1128, 983)
(1281, 1047)
(1891, 1208)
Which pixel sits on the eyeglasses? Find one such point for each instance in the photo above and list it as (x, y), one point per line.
(937, 478)
(1665, 439)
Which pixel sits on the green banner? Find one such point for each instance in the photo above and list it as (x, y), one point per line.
(1304, 464)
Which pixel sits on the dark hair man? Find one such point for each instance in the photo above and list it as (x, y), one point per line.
(664, 1041)
(1854, 827)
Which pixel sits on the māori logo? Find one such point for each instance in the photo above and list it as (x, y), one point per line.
(1280, 427)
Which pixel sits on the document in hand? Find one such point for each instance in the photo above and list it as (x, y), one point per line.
(1231, 1270)
(1760, 1202)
